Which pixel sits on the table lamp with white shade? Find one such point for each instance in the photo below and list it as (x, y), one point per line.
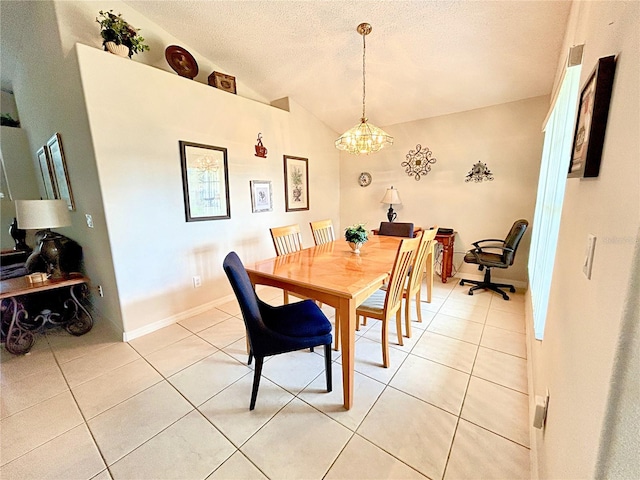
(45, 215)
(391, 197)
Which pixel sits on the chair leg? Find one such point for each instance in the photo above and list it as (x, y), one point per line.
(407, 315)
(418, 305)
(286, 297)
(358, 322)
(336, 333)
(256, 382)
(429, 277)
(385, 345)
(399, 326)
(250, 358)
(327, 366)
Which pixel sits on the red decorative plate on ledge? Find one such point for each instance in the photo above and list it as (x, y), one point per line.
(181, 61)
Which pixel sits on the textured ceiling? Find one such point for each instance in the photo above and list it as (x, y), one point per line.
(424, 58)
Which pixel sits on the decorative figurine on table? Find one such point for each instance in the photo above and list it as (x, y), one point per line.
(19, 237)
(261, 151)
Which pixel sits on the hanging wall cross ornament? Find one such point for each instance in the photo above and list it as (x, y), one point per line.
(261, 150)
(478, 173)
(418, 162)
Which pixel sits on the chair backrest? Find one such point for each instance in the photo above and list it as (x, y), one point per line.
(286, 239)
(513, 240)
(395, 287)
(396, 229)
(322, 231)
(246, 295)
(424, 249)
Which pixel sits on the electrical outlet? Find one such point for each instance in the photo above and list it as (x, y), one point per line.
(100, 291)
(197, 281)
(89, 220)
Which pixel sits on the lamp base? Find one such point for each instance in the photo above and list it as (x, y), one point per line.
(50, 251)
(391, 215)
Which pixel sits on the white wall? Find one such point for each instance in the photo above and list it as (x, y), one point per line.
(583, 339)
(506, 137)
(137, 115)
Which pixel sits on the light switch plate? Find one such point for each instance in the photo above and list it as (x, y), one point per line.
(588, 257)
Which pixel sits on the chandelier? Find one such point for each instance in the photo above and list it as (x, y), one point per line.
(364, 137)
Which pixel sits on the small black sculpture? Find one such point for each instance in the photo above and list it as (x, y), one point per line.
(18, 236)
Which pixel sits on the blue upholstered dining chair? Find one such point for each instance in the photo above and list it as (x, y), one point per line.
(274, 330)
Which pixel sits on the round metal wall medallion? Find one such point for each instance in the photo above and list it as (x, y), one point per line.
(364, 179)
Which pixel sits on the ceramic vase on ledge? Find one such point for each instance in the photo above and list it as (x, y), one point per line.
(120, 50)
(355, 247)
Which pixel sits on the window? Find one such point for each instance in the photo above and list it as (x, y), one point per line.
(558, 139)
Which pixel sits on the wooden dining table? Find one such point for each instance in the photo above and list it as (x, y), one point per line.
(334, 275)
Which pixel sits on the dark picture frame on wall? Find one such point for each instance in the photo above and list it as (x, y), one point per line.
(591, 123)
(59, 172)
(205, 182)
(296, 183)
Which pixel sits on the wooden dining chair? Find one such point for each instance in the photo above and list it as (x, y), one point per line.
(422, 259)
(286, 239)
(384, 304)
(322, 231)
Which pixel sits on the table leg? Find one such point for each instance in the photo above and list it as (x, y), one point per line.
(347, 329)
(19, 339)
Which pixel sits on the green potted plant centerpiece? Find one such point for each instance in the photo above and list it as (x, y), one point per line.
(118, 36)
(356, 235)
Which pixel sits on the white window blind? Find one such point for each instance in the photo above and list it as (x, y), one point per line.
(558, 142)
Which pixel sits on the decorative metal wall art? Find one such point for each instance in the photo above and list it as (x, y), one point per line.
(418, 162)
(478, 173)
(261, 151)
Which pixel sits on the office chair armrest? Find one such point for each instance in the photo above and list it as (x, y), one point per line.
(477, 244)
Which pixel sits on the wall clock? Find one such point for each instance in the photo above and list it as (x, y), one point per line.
(364, 179)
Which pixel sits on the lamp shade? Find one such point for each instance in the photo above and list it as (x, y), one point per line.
(391, 197)
(37, 214)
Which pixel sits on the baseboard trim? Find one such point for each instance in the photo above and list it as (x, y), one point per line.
(127, 336)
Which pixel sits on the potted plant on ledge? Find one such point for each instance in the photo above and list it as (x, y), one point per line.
(356, 235)
(118, 36)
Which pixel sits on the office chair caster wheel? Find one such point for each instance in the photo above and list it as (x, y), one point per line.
(512, 289)
(470, 293)
(461, 282)
(505, 296)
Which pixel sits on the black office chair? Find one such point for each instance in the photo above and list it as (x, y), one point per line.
(274, 330)
(396, 229)
(488, 259)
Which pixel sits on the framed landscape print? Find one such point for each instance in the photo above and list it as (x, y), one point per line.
(296, 183)
(205, 182)
(44, 161)
(59, 171)
(588, 139)
(261, 196)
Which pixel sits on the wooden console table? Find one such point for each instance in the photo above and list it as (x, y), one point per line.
(59, 304)
(446, 240)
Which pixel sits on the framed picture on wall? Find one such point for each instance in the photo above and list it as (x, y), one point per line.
(261, 196)
(296, 183)
(588, 139)
(59, 171)
(44, 160)
(205, 182)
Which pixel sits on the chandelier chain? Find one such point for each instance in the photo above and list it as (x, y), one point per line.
(364, 82)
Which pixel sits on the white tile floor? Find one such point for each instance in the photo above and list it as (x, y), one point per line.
(174, 404)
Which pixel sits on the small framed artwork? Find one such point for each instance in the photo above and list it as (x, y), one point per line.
(44, 160)
(588, 139)
(296, 183)
(261, 196)
(223, 82)
(205, 182)
(60, 174)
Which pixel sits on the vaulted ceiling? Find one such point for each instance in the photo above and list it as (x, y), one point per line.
(424, 58)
